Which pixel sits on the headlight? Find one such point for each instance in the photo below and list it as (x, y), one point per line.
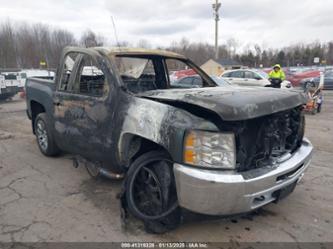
(210, 149)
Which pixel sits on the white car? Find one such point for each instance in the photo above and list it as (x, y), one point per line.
(12, 79)
(10, 84)
(250, 77)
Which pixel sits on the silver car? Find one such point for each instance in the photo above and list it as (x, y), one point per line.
(250, 77)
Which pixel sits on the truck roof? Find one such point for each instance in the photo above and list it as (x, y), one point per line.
(138, 51)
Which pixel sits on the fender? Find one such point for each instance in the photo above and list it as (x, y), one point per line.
(159, 123)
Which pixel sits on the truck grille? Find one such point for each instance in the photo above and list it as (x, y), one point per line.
(262, 141)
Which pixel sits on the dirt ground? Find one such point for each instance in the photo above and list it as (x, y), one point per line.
(47, 199)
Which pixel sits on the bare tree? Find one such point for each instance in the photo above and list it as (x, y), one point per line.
(25, 46)
(90, 39)
(143, 44)
(232, 46)
(60, 39)
(8, 51)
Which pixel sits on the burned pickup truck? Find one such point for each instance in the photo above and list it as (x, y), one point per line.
(211, 150)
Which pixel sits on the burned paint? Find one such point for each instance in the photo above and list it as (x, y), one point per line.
(65, 130)
(103, 128)
(162, 124)
(233, 103)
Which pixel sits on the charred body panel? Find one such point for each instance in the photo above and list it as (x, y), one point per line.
(234, 104)
(162, 124)
(87, 125)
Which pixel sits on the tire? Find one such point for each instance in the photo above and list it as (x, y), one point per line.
(151, 192)
(44, 136)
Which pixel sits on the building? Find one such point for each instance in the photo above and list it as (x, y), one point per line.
(217, 67)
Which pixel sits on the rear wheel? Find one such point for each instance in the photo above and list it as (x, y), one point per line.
(151, 192)
(44, 136)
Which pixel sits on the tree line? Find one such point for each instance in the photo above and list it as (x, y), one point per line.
(26, 46)
(255, 56)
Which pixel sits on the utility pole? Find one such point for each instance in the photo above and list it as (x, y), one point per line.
(216, 7)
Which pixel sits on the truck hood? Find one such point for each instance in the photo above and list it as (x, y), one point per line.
(232, 103)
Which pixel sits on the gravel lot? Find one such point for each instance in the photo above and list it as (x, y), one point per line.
(47, 199)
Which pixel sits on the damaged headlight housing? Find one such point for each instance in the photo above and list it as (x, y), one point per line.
(210, 149)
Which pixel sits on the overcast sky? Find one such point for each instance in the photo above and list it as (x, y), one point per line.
(270, 23)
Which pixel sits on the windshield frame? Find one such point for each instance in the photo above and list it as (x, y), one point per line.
(208, 81)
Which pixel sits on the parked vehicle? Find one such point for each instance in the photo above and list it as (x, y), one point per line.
(296, 78)
(183, 73)
(247, 77)
(188, 82)
(195, 81)
(315, 81)
(11, 84)
(212, 150)
(328, 80)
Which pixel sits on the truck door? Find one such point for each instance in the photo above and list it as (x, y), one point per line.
(82, 108)
(237, 77)
(252, 79)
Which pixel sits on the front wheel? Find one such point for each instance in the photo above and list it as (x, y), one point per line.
(44, 136)
(151, 192)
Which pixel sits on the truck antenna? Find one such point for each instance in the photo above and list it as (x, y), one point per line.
(115, 33)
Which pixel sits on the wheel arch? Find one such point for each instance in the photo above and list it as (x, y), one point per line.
(36, 108)
(131, 146)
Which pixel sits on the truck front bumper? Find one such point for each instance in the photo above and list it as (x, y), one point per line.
(215, 192)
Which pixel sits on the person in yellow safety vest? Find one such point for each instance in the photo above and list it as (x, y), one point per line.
(277, 73)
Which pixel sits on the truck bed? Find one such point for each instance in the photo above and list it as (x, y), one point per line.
(40, 90)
